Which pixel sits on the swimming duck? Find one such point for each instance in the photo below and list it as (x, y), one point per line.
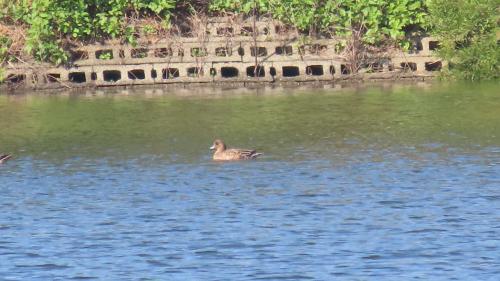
(222, 153)
(4, 157)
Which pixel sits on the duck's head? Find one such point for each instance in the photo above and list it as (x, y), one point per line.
(218, 145)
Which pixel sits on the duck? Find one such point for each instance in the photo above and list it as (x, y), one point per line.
(4, 157)
(222, 153)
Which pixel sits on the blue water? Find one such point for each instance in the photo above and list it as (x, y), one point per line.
(372, 208)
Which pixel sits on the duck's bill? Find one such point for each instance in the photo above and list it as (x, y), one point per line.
(212, 147)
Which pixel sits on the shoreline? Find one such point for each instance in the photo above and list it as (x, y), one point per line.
(351, 80)
(211, 90)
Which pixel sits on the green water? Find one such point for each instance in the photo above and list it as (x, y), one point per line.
(182, 126)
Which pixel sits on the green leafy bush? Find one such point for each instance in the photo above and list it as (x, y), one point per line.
(376, 19)
(467, 31)
(52, 23)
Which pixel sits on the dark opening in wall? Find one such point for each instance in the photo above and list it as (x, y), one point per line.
(241, 51)
(409, 66)
(104, 54)
(228, 72)
(416, 47)
(284, 50)
(332, 70)
(15, 78)
(225, 31)
(93, 76)
(253, 72)
(272, 71)
(366, 67)
(223, 52)
(433, 45)
(199, 52)
(170, 73)
(260, 51)
(419, 46)
(79, 55)
(185, 30)
(377, 67)
(163, 52)
(314, 70)
(194, 72)
(246, 31)
(111, 75)
(345, 69)
(154, 74)
(433, 66)
(77, 77)
(53, 77)
(121, 54)
(180, 52)
(136, 74)
(316, 49)
(265, 31)
(290, 71)
(139, 53)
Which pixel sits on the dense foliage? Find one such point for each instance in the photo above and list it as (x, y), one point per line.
(376, 19)
(466, 28)
(467, 31)
(51, 21)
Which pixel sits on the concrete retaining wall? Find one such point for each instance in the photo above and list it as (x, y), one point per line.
(227, 53)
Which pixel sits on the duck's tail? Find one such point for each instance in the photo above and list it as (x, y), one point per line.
(256, 154)
(5, 157)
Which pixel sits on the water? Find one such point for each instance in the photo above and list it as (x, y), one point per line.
(394, 182)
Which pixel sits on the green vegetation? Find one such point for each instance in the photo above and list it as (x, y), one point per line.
(375, 20)
(366, 26)
(52, 25)
(467, 29)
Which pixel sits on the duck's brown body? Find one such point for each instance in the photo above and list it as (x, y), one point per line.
(223, 154)
(4, 157)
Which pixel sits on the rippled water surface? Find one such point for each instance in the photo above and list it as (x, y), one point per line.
(394, 182)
